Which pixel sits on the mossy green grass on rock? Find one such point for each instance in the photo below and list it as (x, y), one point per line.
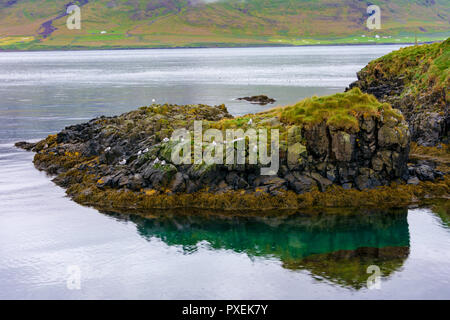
(340, 111)
(424, 68)
(415, 80)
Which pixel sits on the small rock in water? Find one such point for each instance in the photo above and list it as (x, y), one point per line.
(261, 99)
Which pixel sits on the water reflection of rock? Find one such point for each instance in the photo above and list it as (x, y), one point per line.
(442, 210)
(332, 247)
(349, 267)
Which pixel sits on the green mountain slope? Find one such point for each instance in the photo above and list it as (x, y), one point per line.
(171, 23)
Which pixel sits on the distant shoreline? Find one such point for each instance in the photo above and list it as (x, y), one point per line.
(215, 47)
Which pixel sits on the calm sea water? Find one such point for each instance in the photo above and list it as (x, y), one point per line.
(44, 236)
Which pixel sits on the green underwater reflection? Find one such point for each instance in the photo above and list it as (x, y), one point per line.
(442, 210)
(336, 248)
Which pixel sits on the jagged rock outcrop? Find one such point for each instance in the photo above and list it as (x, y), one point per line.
(415, 80)
(375, 155)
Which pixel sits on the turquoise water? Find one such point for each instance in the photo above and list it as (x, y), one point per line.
(44, 235)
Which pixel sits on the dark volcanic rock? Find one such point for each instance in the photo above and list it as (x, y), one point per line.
(423, 100)
(25, 145)
(424, 171)
(261, 99)
(133, 152)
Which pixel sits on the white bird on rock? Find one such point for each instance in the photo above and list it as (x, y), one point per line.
(146, 150)
(123, 162)
(139, 153)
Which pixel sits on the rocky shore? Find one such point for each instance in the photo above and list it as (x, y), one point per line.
(415, 80)
(339, 151)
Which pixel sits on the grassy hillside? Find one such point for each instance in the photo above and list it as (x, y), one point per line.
(415, 80)
(425, 70)
(171, 23)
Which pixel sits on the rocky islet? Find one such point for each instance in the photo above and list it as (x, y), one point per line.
(348, 141)
(260, 99)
